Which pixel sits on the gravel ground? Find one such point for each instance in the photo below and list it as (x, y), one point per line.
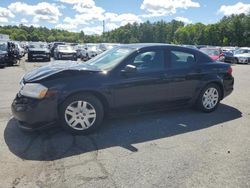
(180, 148)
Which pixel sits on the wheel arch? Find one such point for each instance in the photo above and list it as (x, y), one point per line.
(220, 85)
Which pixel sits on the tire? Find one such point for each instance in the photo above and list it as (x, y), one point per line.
(213, 100)
(74, 57)
(82, 122)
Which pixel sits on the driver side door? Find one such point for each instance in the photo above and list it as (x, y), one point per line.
(145, 85)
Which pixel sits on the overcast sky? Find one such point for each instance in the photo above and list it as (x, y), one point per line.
(87, 15)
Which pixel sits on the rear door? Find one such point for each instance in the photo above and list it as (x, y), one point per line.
(183, 73)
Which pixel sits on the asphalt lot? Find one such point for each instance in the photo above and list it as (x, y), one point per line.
(180, 148)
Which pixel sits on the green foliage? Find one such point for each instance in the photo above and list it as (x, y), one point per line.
(232, 30)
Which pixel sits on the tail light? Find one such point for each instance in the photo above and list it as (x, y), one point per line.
(230, 70)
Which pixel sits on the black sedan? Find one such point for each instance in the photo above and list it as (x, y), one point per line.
(38, 51)
(80, 95)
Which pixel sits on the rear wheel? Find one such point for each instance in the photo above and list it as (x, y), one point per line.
(81, 114)
(209, 98)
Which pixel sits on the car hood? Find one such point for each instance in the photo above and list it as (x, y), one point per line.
(38, 49)
(243, 55)
(54, 69)
(3, 52)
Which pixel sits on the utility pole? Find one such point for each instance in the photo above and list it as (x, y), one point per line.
(103, 31)
(103, 26)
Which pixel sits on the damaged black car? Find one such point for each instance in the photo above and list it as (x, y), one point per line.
(80, 95)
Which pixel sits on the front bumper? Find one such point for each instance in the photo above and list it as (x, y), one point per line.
(34, 114)
(244, 60)
(39, 56)
(67, 56)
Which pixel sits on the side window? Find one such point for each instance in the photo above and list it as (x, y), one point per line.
(181, 59)
(149, 61)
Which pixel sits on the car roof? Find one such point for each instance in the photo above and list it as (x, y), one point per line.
(244, 48)
(63, 45)
(142, 45)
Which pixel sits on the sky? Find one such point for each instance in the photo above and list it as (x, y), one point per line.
(88, 15)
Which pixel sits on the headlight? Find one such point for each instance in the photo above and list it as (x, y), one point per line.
(34, 90)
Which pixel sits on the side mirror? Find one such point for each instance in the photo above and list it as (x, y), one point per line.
(129, 69)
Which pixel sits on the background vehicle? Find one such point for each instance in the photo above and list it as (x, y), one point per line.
(107, 46)
(214, 53)
(3, 54)
(9, 53)
(65, 52)
(229, 57)
(3, 58)
(79, 95)
(21, 51)
(80, 51)
(53, 46)
(242, 55)
(38, 50)
(190, 46)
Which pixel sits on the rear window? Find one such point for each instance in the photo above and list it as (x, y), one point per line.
(180, 59)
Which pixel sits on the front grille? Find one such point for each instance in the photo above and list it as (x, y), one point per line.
(38, 52)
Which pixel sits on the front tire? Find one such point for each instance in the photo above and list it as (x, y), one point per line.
(81, 114)
(209, 98)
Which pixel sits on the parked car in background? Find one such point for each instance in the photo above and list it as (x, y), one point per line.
(137, 75)
(213, 52)
(107, 46)
(53, 46)
(242, 55)
(201, 46)
(65, 52)
(38, 51)
(9, 53)
(21, 50)
(3, 54)
(80, 50)
(228, 49)
(229, 57)
(190, 46)
(93, 49)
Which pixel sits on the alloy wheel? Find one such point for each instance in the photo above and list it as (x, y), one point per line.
(80, 115)
(210, 98)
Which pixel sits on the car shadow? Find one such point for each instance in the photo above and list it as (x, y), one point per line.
(55, 144)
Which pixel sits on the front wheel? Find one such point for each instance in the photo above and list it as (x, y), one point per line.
(81, 114)
(209, 98)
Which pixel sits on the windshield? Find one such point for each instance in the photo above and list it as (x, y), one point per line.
(80, 47)
(37, 45)
(109, 59)
(65, 48)
(3, 46)
(212, 52)
(242, 51)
